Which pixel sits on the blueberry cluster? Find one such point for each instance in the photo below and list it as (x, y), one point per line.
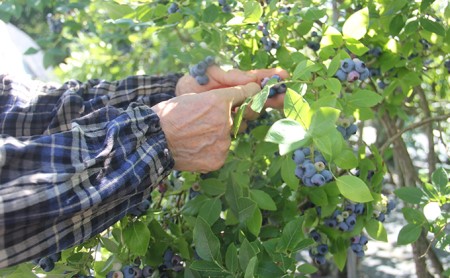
(141, 208)
(266, 40)
(226, 8)
(275, 89)
(319, 251)
(198, 71)
(426, 44)
(346, 127)
(314, 43)
(48, 263)
(285, 10)
(359, 245)
(311, 168)
(383, 208)
(447, 65)
(131, 271)
(345, 220)
(54, 24)
(352, 70)
(173, 8)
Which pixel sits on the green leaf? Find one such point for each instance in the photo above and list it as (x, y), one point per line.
(110, 245)
(318, 196)
(323, 121)
(246, 209)
(376, 230)
(212, 269)
(262, 199)
(231, 258)
(425, 5)
(250, 270)
(304, 69)
(210, 14)
(246, 253)
(432, 26)
(232, 195)
(356, 46)
(252, 11)
(440, 179)
(291, 236)
(259, 99)
(206, 243)
(307, 269)
(354, 189)
(116, 11)
(334, 85)
(287, 173)
(210, 210)
(331, 38)
(364, 98)
(409, 234)
(239, 116)
(285, 131)
(412, 195)
(346, 159)
(414, 216)
(297, 108)
(396, 24)
(31, 51)
(136, 237)
(212, 186)
(254, 223)
(356, 25)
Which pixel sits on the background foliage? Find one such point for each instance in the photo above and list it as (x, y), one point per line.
(252, 217)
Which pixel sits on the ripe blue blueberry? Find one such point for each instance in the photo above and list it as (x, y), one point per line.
(343, 226)
(314, 234)
(327, 175)
(364, 75)
(360, 66)
(306, 150)
(309, 168)
(351, 220)
(381, 84)
(46, 264)
(144, 206)
(341, 75)
(317, 180)
(359, 209)
(173, 8)
(320, 260)
(342, 130)
(298, 156)
(322, 249)
(55, 257)
(356, 247)
(329, 222)
(307, 181)
(381, 217)
(210, 60)
(147, 271)
(351, 129)
(347, 65)
(363, 240)
(299, 172)
(128, 271)
(202, 79)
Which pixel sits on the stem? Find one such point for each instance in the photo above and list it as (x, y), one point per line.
(411, 127)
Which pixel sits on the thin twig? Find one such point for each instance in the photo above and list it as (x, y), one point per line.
(411, 127)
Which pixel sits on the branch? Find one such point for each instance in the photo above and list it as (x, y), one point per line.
(411, 127)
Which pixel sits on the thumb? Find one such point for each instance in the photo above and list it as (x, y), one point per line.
(237, 95)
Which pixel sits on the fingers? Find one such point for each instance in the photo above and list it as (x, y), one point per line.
(237, 77)
(237, 95)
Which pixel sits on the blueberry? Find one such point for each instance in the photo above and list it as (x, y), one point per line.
(222, 2)
(309, 168)
(330, 222)
(320, 260)
(307, 181)
(364, 75)
(298, 156)
(343, 227)
(350, 207)
(315, 235)
(115, 274)
(351, 220)
(46, 264)
(376, 51)
(347, 65)
(272, 92)
(147, 271)
(317, 180)
(342, 130)
(313, 34)
(307, 151)
(202, 79)
(226, 8)
(135, 212)
(209, 60)
(351, 129)
(363, 240)
(390, 206)
(144, 206)
(381, 84)
(360, 254)
(299, 172)
(313, 45)
(341, 75)
(322, 249)
(375, 72)
(360, 66)
(173, 8)
(353, 76)
(282, 89)
(128, 271)
(381, 217)
(168, 255)
(356, 247)
(359, 209)
(327, 175)
(319, 158)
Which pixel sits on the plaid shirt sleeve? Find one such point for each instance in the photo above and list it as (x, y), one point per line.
(75, 159)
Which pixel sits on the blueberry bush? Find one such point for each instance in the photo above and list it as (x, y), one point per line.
(304, 188)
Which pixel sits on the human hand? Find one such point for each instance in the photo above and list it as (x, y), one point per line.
(197, 126)
(219, 78)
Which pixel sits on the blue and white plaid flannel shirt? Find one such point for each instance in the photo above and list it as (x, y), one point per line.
(75, 159)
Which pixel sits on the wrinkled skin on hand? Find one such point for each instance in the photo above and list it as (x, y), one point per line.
(197, 126)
